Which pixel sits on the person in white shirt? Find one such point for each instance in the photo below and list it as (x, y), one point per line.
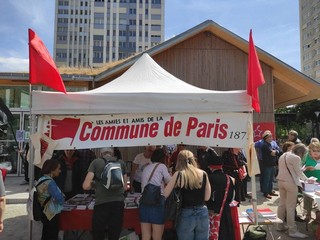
(139, 163)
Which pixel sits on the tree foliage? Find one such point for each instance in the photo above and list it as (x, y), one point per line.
(303, 112)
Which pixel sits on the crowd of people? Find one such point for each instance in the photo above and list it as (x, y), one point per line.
(289, 164)
(209, 183)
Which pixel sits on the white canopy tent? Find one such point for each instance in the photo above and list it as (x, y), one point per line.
(144, 88)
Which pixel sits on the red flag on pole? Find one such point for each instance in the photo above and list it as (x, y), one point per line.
(42, 69)
(255, 75)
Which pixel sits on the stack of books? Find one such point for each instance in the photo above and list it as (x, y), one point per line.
(132, 200)
(79, 201)
(264, 215)
(267, 213)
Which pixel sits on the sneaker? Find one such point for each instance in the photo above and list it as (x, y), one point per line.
(267, 196)
(273, 194)
(298, 235)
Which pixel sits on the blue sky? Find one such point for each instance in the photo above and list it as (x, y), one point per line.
(275, 25)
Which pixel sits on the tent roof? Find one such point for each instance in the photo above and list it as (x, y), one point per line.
(290, 85)
(144, 88)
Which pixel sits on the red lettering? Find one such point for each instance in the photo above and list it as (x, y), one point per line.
(201, 133)
(154, 130)
(96, 133)
(223, 131)
(207, 130)
(192, 124)
(118, 132)
(83, 135)
(215, 133)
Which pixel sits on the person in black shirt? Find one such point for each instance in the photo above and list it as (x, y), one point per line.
(218, 182)
(204, 155)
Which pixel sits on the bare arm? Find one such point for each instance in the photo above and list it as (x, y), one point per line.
(168, 189)
(207, 192)
(87, 183)
(2, 208)
(125, 180)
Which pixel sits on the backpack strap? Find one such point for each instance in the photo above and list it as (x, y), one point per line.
(38, 184)
(153, 171)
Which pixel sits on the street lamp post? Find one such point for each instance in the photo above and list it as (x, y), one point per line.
(317, 123)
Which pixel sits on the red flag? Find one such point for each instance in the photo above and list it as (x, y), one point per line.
(65, 128)
(42, 69)
(255, 75)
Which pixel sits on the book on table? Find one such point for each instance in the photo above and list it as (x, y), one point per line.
(261, 218)
(267, 213)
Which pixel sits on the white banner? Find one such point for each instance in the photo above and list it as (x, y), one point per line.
(95, 131)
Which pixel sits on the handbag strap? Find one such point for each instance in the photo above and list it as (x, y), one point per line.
(285, 161)
(153, 171)
(225, 195)
(178, 177)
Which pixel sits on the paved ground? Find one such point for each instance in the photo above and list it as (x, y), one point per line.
(16, 221)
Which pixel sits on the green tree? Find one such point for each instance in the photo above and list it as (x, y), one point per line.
(303, 112)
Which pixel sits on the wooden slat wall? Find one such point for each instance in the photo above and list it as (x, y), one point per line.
(207, 61)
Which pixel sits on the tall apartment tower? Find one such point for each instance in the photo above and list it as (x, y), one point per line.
(310, 37)
(89, 33)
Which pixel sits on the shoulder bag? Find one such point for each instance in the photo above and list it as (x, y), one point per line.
(151, 194)
(214, 219)
(174, 202)
(241, 172)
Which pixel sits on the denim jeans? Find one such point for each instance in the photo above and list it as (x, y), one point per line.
(267, 175)
(193, 224)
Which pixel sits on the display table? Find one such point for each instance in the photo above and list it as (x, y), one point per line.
(310, 201)
(245, 220)
(82, 220)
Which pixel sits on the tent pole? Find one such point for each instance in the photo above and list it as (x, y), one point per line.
(31, 160)
(254, 198)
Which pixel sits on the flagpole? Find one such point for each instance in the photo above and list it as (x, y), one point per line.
(31, 149)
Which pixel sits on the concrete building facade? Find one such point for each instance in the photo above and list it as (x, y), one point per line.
(90, 33)
(310, 37)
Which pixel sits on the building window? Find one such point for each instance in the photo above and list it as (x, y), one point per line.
(132, 11)
(97, 54)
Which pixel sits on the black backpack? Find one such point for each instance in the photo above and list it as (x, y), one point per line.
(111, 176)
(34, 208)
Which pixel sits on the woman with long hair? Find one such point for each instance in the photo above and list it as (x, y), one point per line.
(193, 223)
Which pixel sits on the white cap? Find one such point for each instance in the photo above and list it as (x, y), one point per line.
(106, 149)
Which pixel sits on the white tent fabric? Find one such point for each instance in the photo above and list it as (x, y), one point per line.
(143, 88)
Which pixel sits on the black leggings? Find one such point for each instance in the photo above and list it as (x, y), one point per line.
(107, 215)
(50, 228)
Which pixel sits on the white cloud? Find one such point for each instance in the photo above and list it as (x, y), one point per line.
(12, 64)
